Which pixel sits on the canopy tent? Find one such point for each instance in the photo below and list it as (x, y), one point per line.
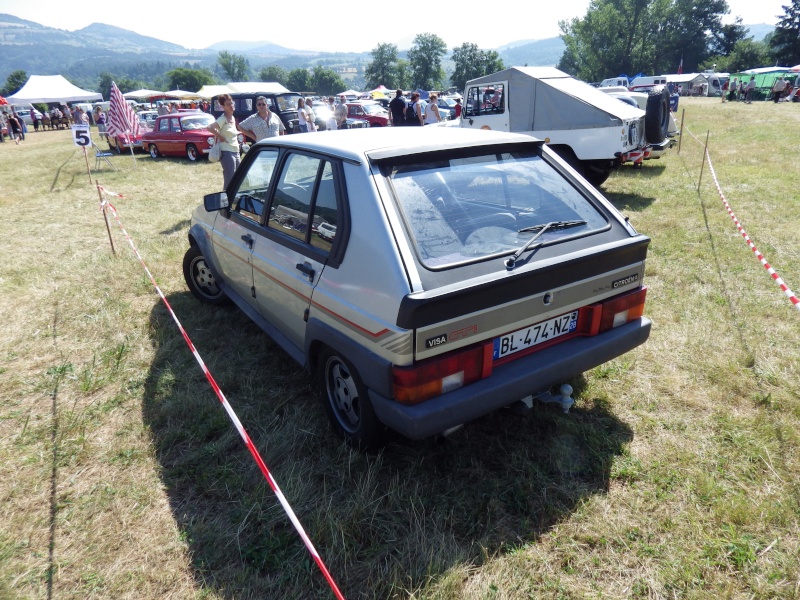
(147, 94)
(381, 89)
(795, 69)
(181, 95)
(3, 101)
(764, 80)
(349, 94)
(254, 87)
(51, 88)
(209, 91)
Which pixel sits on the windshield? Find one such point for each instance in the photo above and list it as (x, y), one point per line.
(373, 109)
(467, 209)
(288, 102)
(196, 122)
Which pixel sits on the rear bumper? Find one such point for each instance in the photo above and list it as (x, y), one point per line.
(509, 382)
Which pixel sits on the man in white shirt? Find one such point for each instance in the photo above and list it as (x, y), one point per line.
(262, 124)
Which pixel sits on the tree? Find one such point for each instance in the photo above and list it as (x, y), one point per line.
(123, 83)
(471, 62)
(425, 57)
(651, 36)
(785, 41)
(299, 80)
(746, 54)
(236, 66)
(274, 73)
(383, 67)
(14, 83)
(326, 81)
(189, 79)
(403, 74)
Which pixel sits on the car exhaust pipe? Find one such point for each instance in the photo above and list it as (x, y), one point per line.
(440, 438)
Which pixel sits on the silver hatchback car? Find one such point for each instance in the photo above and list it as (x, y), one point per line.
(427, 276)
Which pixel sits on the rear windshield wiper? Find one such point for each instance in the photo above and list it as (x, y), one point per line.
(512, 261)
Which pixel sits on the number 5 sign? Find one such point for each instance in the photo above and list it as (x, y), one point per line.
(81, 136)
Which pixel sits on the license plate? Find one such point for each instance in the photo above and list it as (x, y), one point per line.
(534, 335)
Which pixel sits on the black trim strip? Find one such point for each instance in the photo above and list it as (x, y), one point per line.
(427, 308)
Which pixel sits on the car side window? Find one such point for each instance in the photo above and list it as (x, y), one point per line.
(485, 99)
(325, 218)
(304, 205)
(176, 124)
(291, 205)
(251, 197)
(163, 125)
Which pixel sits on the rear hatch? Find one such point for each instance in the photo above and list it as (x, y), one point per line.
(509, 253)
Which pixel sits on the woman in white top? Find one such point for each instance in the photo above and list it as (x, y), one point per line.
(302, 115)
(432, 111)
(225, 133)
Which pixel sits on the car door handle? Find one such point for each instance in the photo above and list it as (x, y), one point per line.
(248, 239)
(306, 269)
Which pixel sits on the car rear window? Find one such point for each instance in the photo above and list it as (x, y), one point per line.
(467, 209)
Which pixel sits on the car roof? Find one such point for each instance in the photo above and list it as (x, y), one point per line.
(378, 143)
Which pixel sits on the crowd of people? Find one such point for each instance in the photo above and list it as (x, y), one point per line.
(738, 89)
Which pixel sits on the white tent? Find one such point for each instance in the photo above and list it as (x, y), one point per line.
(144, 93)
(255, 87)
(51, 88)
(209, 91)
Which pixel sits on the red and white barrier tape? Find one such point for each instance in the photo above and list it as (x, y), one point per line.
(777, 278)
(231, 414)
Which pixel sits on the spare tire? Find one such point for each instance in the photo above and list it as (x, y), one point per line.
(656, 118)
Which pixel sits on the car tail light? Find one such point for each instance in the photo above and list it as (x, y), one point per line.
(622, 309)
(442, 374)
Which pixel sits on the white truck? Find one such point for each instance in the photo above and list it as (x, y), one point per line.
(592, 131)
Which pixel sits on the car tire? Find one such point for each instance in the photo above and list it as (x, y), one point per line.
(154, 151)
(656, 118)
(191, 152)
(596, 172)
(200, 279)
(347, 402)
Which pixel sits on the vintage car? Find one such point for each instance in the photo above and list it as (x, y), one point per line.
(369, 111)
(426, 276)
(180, 134)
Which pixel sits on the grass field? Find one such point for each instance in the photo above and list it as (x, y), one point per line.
(676, 474)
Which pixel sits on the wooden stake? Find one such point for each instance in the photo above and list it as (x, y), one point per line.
(680, 137)
(703, 164)
(105, 216)
(88, 170)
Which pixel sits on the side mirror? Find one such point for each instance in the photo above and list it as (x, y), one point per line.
(216, 201)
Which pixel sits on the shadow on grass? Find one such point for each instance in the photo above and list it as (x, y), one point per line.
(630, 201)
(386, 523)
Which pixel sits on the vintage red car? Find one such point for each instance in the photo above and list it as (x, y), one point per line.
(180, 134)
(369, 111)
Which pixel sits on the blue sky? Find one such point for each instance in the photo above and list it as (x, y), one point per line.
(488, 25)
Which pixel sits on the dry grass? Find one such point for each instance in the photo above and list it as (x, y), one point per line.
(675, 475)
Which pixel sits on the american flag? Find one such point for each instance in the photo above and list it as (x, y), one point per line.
(122, 121)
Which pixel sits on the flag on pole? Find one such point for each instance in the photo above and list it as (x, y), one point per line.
(122, 121)
(680, 66)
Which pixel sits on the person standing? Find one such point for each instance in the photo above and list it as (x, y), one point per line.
(413, 111)
(262, 124)
(397, 109)
(311, 118)
(432, 111)
(459, 108)
(748, 91)
(14, 128)
(225, 133)
(100, 119)
(302, 115)
(2, 126)
(724, 90)
(777, 89)
(341, 113)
